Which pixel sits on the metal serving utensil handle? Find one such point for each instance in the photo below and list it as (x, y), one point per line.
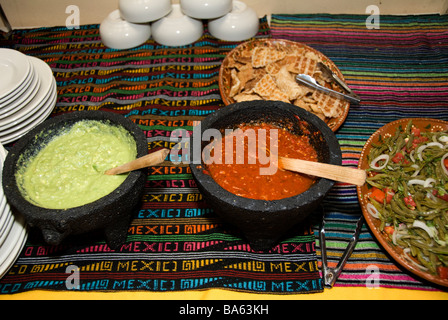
(333, 75)
(311, 82)
(330, 275)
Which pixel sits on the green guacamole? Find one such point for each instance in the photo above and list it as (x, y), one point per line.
(69, 171)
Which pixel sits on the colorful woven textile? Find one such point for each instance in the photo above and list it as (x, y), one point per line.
(399, 70)
(175, 241)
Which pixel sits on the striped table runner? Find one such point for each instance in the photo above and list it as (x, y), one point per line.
(399, 70)
(175, 241)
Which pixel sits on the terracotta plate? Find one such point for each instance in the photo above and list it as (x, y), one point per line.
(424, 124)
(225, 78)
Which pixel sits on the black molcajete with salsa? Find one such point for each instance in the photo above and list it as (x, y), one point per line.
(247, 160)
(264, 222)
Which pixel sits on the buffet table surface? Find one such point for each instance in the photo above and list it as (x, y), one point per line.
(177, 248)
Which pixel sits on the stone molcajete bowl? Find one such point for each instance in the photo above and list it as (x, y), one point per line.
(111, 213)
(263, 223)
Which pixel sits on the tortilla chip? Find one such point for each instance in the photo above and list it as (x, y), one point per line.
(245, 74)
(308, 66)
(236, 83)
(265, 86)
(288, 85)
(262, 56)
(246, 97)
(279, 95)
(330, 106)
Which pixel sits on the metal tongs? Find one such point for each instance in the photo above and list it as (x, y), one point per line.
(330, 275)
(311, 82)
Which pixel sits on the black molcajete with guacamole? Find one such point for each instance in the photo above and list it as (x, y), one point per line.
(111, 213)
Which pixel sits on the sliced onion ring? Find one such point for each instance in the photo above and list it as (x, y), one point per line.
(423, 147)
(429, 181)
(425, 183)
(431, 231)
(416, 181)
(443, 164)
(372, 210)
(375, 161)
(407, 256)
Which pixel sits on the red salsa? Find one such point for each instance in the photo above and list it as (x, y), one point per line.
(243, 176)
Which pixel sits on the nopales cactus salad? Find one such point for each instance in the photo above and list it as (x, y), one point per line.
(408, 180)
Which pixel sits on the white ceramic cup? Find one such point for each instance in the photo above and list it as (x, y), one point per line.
(176, 29)
(240, 24)
(140, 11)
(117, 33)
(205, 9)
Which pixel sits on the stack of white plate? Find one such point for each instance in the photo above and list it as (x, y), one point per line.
(13, 230)
(27, 94)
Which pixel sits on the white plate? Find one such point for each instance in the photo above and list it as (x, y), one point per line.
(14, 254)
(3, 215)
(13, 228)
(3, 211)
(21, 132)
(19, 91)
(3, 153)
(31, 116)
(18, 224)
(8, 262)
(4, 218)
(22, 100)
(13, 245)
(19, 119)
(46, 82)
(14, 69)
(6, 227)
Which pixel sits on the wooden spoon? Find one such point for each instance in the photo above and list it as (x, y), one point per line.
(324, 170)
(151, 159)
